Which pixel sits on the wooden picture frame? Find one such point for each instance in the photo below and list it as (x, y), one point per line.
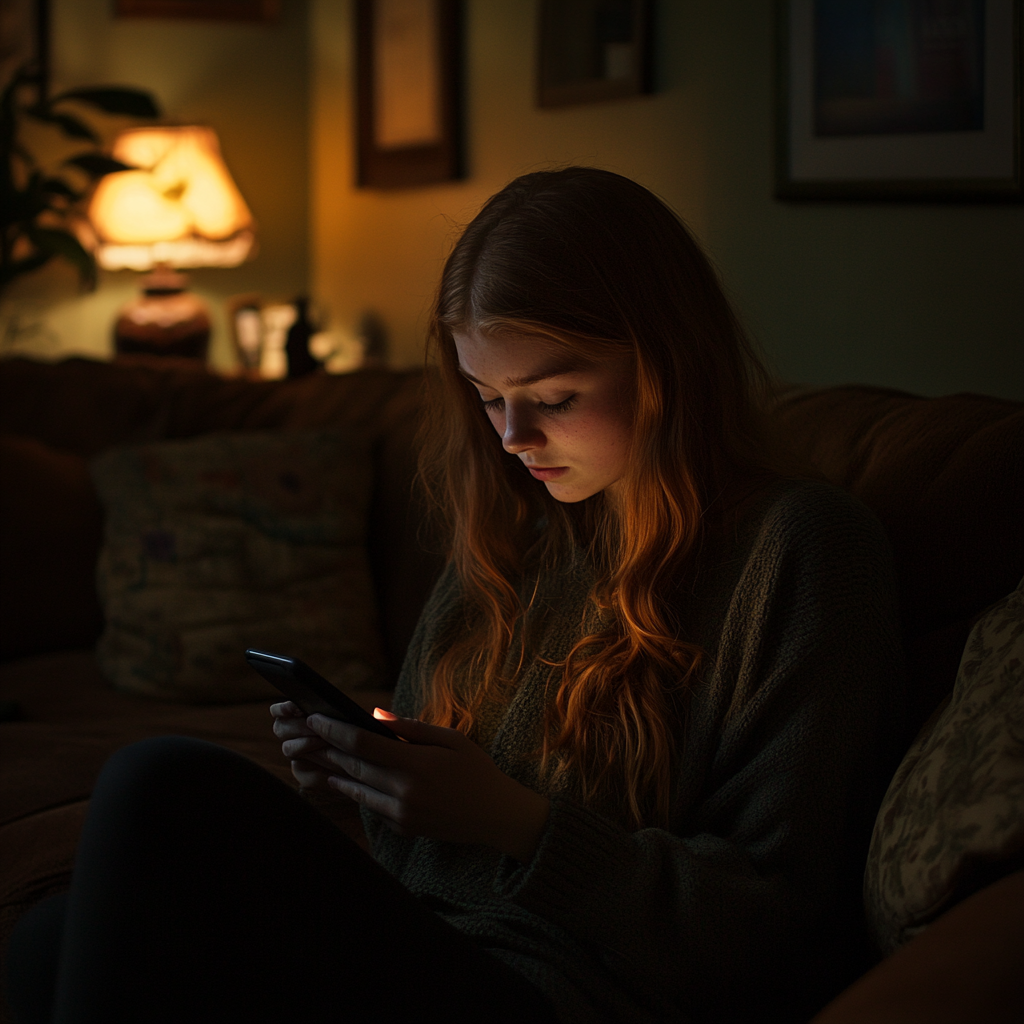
(408, 92)
(590, 51)
(266, 11)
(909, 105)
(25, 44)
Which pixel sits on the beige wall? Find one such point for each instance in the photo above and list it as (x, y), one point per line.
(249, 82)
(929, 298)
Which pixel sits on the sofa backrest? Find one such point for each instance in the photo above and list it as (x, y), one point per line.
(946, 478)
(944, 475)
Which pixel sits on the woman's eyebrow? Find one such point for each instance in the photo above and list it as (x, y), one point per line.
(557, 370)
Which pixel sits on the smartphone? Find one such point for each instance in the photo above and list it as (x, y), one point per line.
(313, 694)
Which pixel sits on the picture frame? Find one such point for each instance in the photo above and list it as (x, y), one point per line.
(921, 107)
(266, 11)
(25, 43)
(590, 51)
(408, 93)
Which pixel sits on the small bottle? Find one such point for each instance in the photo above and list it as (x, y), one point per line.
(300, 360)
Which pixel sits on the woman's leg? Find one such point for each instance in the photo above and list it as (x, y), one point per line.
(31, 964)
(206, 890)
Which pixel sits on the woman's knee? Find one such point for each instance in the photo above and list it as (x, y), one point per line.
(153, 769)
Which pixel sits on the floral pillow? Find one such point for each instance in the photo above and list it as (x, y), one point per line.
(229, 541)
(954, 812)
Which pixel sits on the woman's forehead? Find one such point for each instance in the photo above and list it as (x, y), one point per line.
(518, 359)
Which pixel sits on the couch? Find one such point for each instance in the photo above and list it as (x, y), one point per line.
(944, 475)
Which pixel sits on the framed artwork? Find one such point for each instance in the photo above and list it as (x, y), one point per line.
(206, 10)
(593, 50)
(25, 45)
(408, 92)
(899, 100)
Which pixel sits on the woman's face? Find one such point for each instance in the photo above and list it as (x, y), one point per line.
(568, 421)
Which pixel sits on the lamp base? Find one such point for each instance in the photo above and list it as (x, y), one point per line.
(165, 320)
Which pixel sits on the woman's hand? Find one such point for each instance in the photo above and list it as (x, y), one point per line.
(437, 784)
(311, 771)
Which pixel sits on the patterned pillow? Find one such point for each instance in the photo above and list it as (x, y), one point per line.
(228, 541)
(954, 812)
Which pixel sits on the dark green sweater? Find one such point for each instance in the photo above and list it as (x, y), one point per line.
(747, 906)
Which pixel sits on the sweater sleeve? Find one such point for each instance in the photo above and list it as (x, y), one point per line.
(751, 897)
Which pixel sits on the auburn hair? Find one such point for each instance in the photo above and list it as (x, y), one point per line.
(595, 264)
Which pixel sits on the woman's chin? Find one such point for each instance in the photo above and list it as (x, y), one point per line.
(569, 494)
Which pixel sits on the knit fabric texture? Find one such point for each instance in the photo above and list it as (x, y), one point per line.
(747, 906)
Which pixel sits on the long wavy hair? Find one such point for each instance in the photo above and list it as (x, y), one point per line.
(597, 265)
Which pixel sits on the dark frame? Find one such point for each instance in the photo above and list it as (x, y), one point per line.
(266, 11)
(414, 165)
(35, 39)
(791, 143)
(554, 91)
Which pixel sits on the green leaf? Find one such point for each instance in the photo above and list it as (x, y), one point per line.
(96, 165)
(63, 243)
(9, 271)
(133, 102)
(59, 187)
(69, 125)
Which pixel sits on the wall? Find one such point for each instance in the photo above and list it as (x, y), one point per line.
(248, 81)
(928, 298)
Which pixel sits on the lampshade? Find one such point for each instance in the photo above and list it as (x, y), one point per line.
(181, 207)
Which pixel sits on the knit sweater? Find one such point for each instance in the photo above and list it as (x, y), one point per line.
(746, 907)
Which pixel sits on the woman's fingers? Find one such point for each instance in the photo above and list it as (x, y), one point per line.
(310, 748)
(415, 731)
(291, 728)
(309, 775)
(369, 746)
(387, 806)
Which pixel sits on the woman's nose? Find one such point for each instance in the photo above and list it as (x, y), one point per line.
(521, 432)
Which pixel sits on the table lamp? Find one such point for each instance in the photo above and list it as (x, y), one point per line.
(179, 208)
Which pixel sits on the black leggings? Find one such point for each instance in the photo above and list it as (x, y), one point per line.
(205, 889)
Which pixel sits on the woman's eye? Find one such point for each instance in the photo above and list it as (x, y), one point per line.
(561, 406)
(497, 404)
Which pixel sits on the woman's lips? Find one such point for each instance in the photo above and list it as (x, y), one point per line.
(547, 473)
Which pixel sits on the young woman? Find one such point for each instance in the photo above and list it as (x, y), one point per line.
(646, 711)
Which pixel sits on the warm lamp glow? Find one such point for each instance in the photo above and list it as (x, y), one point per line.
(180, 207)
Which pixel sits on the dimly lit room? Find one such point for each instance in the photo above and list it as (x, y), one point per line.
(620, 403)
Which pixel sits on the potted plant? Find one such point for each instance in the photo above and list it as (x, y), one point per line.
(39, 207)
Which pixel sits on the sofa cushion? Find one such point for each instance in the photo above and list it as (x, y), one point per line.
(953, 817)
(229, 541)
(85, 407)
(50, 528)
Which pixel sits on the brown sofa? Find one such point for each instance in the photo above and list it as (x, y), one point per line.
(945, 476)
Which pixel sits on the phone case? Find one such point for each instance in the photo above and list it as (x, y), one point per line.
(314, 694)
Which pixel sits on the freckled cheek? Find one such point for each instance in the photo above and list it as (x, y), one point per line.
(595, 439)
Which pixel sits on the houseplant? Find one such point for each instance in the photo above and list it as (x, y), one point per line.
(40, 205)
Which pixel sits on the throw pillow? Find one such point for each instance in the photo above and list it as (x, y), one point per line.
(953, 817)
(229, 541)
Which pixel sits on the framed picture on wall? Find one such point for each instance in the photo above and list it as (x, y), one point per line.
(593, 50)
(901, 100)
(408, 85)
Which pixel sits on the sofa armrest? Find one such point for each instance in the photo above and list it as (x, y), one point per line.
(964, 968)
